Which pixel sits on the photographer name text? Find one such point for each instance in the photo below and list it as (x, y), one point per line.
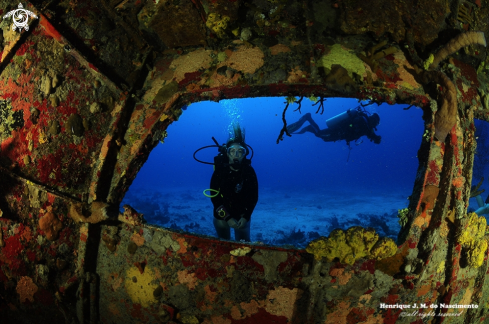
(412, 309)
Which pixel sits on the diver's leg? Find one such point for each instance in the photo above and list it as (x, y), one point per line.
(243, 233)
(329, 135)
(298, 124)
(222, 229)
(316, 131)
(308, 128)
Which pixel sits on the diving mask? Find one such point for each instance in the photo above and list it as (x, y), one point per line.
(236, 151)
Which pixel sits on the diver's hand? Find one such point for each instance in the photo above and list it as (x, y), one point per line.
(222, 212)
(377, 139)
(232, 223)
(242, 222)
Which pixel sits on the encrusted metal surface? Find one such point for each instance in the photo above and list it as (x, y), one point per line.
(91, 88)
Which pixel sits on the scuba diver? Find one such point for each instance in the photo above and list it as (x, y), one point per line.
(349, 126)
(235, 187)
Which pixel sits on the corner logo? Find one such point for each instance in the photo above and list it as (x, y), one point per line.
(20, 17)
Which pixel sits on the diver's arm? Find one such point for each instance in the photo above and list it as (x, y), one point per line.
(373, 137)
(251, 194)
(216, 180)
(369, 132)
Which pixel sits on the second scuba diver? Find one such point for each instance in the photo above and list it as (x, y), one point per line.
(349, 126)
(237, 186)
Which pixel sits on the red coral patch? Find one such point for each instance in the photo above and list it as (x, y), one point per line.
(356, 316)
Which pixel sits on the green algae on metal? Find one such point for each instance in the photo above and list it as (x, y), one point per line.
(343, 57)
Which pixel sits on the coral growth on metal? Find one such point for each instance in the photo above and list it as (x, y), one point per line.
(91, 87)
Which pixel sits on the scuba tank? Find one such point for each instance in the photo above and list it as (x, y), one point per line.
(339, 120)
(221, 159)
(342, 120)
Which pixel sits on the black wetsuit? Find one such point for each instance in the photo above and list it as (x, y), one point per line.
(356, 127)
(238, 191)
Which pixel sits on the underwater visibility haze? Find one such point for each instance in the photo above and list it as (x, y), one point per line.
(307, 187)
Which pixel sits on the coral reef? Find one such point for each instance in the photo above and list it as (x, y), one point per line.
(26, 289)
(428, 62)
(352, 245)
(383, 248)
(472, 239)
(50, 225)
(246, 60)
(338, 55)
(140, 286)
(217, 24)
(403, 216)
(240, 251)
(191, 62)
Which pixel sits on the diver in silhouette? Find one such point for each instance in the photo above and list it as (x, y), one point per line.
(349, 126)
(235, 182)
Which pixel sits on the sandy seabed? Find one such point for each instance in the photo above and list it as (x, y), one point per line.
(281, 218)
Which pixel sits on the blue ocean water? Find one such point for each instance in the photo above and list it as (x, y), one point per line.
(481, 162)
(298, 167)
(302, 161)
